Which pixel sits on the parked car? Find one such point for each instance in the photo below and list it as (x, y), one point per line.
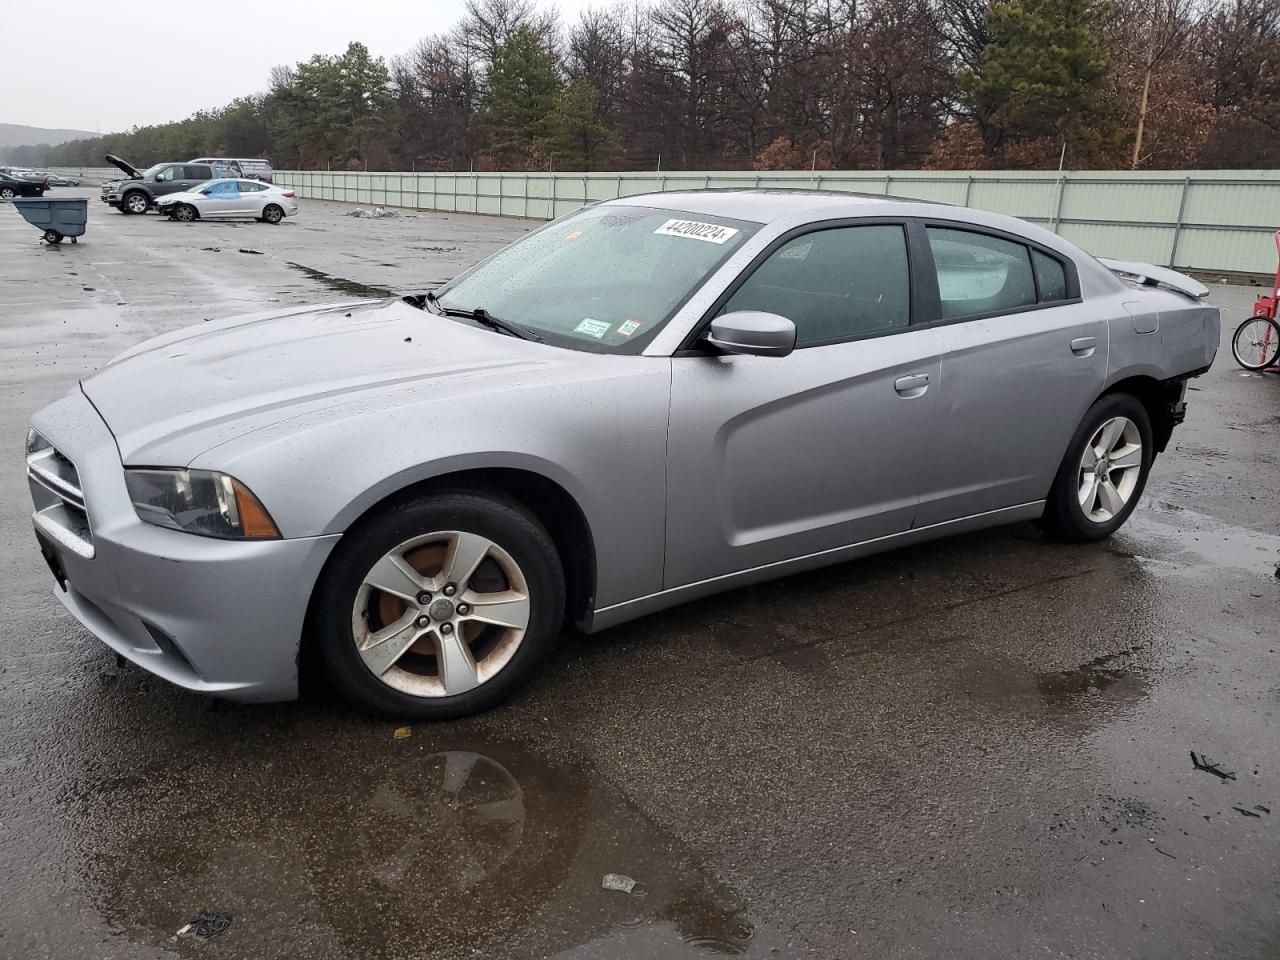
(138, 192)
(230, 199)
(647, 401)
(62, 180)
(12, 186)
(253, 169)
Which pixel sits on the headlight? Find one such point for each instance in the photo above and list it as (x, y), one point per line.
(199, 501)
(35, 442)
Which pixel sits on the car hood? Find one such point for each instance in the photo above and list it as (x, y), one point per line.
(129, 169)
(173, 197)
(172, 398)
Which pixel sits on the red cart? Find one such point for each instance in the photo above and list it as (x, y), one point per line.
(1256, 344)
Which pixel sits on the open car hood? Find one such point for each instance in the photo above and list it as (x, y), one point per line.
(130, 170)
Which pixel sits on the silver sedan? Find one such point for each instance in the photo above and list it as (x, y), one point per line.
(650, 400)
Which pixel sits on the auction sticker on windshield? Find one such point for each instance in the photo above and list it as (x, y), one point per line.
(710, 232)
(593, 328)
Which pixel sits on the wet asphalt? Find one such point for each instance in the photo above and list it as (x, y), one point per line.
(975, 748)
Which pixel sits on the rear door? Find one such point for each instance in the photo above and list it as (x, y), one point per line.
(776, 458)
(1023, 358)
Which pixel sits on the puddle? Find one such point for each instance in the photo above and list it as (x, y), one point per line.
(399, 849)
(341, 284)
(1189, 542)
(1110, 675)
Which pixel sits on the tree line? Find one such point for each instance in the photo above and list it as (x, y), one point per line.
(767, 84)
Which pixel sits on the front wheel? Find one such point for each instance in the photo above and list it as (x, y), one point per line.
(439, 607)
(1256, 343)
(184, 212)
(1103, 472)
(135, 202)
(52, 236)
(6, 193)
(272, 213)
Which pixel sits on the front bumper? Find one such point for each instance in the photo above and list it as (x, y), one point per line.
(220, 617)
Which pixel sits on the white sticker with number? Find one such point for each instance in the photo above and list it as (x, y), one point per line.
(710, 232)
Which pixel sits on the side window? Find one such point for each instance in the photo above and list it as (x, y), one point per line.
(980, 274)
(834, 285)
(199, 172)
(1050, 277)
(248, 186)
(169, 174)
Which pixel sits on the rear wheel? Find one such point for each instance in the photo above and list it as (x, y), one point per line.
(272, 213)
(1104, 471)
(184, 212)
(439, 607)
(52, 236)
(135, 202)
(1256, 343)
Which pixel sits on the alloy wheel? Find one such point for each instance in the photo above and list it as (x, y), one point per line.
(441, 614)
(1110, 469)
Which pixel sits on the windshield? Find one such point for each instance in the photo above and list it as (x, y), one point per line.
(606, 278)
(150, 172)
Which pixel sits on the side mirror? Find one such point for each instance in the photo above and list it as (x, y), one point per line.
(752, 332)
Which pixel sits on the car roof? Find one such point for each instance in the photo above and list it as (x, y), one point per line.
(764, 205)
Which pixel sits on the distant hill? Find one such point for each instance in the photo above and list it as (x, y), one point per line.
(17, 135)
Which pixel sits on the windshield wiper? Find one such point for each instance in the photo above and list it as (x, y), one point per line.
(486, 319)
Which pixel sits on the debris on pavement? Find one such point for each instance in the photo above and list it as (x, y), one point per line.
(1247, 813)
(208, 924)
(622, 883)
(247, 250)
(1208, 766)
(377, 213)
(402, 733)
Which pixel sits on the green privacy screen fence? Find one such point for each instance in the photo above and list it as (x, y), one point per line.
(1201, 219)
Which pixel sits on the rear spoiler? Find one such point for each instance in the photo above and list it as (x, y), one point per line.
(1152, 276)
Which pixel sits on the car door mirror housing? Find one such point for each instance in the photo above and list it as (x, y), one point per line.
(753, 333)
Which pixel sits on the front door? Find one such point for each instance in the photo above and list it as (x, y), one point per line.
(775, 458)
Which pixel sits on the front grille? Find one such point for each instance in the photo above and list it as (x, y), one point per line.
(60, 509)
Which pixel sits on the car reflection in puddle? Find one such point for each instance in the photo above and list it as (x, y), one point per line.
(479, 850)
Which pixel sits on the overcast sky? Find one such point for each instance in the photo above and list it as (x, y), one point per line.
(110, 66)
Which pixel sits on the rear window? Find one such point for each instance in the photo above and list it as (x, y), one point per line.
(1050, 277)
(199, 172)
(979, 273)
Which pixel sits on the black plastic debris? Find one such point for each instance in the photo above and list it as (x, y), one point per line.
(247, 250)
(1208, 766)
(1247, 813)
(208, 924)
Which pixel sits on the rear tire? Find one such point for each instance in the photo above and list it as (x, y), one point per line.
(135, 201)
(490, 661)
(272, 213)
(1256, 343)
(1103, 472)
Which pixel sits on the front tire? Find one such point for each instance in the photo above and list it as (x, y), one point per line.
(185, 213)
(52, 236)
(6, 193)
(439, 607)
(1104, 471)
(135, 202)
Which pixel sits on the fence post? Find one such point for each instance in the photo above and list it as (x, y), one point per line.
(619, 185)
(968, 189)
(1177, 227)
(888, 179)
(553, 196)
(1057, 211)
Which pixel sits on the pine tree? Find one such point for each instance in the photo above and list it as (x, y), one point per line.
(575, 137)
(522, 89)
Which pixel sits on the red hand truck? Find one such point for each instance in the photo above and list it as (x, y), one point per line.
(1256, 343)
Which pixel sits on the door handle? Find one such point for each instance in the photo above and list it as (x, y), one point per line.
(1083, 346)
(912, 385)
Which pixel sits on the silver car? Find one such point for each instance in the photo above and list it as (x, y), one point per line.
(650, 400)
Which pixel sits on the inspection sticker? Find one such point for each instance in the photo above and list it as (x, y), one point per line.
(592, 328)
(628, 327)
(710, 232)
